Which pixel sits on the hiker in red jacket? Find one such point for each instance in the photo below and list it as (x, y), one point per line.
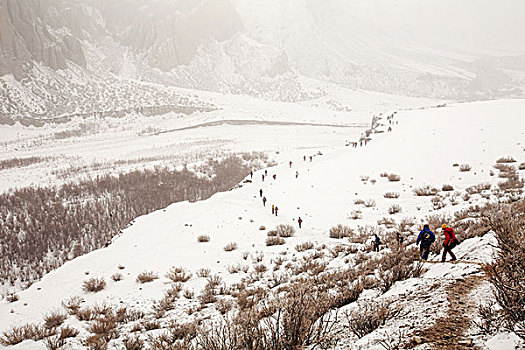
(264, 201)
(450, 242)
(300, 221)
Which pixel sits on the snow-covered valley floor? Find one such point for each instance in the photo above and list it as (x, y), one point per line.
(422, 149)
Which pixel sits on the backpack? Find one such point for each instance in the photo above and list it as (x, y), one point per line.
(427, 239)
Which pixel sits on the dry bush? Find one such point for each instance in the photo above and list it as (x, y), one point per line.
(230, 247)
(465, 167)
(447, 187)
(188, 294)
(304, 246)
(437, 203)
(18, 334)
(146, 277)
(406, 224)
(370, 203)
(369, 317)
(507, 272)
(340, 231)
(178, 274)
(359, 202)
(117, 276)
(490, 319)
(365, 178)
(238, 268)
(387, 222)
(385, 174)
(514, 183)
(262, 228)
(505, 168)
(54, 319)
(394, 209)
(398, 265)
(204, 272)
(477, 189)
(505, 160)
(133, 343)
(356, 215)
(391, 195)
(394, 178)
(85, 314)
(346, 295)
(275, 240)
(285, 231)
(94, 285)
(54, 343)
(68, 332)
(203, 238)
(521, 166)
(426, 191)
(150, 325)
(12, 297)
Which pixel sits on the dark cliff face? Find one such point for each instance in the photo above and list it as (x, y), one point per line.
(53, 32)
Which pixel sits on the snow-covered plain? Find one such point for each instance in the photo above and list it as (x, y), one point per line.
(422, 148)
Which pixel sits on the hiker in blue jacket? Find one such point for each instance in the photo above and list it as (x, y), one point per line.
(426, 238)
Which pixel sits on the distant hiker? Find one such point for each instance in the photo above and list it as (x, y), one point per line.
(360, 143)
(276, 210)
(264, 201)
(304, 158)
(426, 237)
(263, 177)
(310, 158)
(290, 164)
(260, 192)
(266, 173)
(273, 209)
(450, 242)
(296, 174)
(274, 176)
(389, 129)
(251, 174)
(399, 238)
(377, 242)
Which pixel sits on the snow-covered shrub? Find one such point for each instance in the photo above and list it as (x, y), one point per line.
(369, 203)
(204, 272)
(394, 209)
(304, 246)
(394, 178)
(387, 222)
(391, 195)
(54, 319)
(275, 240)
(203, 238)
(133, 342)
(12, 297)
(18, 334)
(146, 277)
(505, 160)
(426, 191)
(447, 187)
(356, 215)
(117, 276)
(104, 330)
(178, 274)
(285, 231)
(511, 184)
(359, 201)
(506, 272)
(521, 166)
(490, 318)
(72, 305)
(94, 285)
(369, 317)
(465, 167)
(230, 247)
(398, 265)
(340, 231)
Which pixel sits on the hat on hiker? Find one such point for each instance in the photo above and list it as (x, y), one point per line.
(444, 226)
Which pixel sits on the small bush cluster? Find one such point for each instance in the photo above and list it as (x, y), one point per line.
(465, 167)
(230, 247)
(146, 277)
(426, 191)
(394, 178)
(394, 209)
(275, 240)
(391, 195)
(203, 238)
(178, 274)
(340, 231)
(94, 285)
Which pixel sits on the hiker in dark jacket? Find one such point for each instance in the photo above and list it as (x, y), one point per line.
(260, 192)
(377, 242)
(264, 201)
(426, 237)
(450, 242)
(300, 221)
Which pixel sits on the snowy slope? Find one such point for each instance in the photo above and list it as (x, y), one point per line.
(422, 148)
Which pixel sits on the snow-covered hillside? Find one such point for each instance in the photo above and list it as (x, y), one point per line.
(422, 148)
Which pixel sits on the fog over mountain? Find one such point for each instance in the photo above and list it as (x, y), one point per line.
(73, 57)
